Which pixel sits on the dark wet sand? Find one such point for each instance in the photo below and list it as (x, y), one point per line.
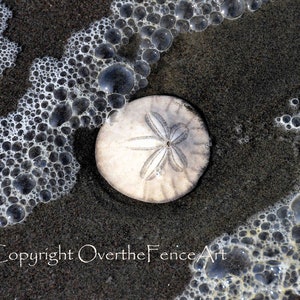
(240, 73)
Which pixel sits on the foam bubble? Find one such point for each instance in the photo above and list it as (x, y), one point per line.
(116, 79)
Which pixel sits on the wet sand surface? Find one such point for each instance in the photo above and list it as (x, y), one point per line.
(239, 75)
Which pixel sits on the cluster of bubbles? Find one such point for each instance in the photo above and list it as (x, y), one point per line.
(259, 261)
(290, 122)
(8, 49)
(90, 81)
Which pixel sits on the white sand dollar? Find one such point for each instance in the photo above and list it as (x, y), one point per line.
(154, 150)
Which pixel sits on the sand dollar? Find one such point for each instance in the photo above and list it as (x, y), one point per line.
(154, 150)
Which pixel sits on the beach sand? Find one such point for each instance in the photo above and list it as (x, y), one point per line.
(240, 76)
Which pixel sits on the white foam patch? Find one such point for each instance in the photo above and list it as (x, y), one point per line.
(261, 259)
(290, 121)
(8, 49)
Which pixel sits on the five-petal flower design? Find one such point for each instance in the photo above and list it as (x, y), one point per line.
(164, 143)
